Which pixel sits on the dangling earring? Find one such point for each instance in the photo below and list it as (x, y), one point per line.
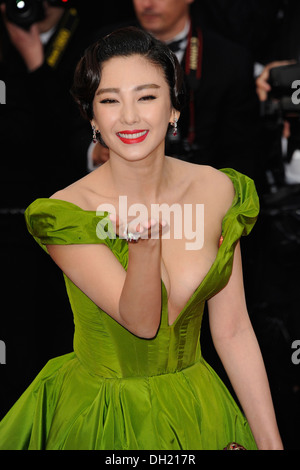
(94, 134)
(175, 127)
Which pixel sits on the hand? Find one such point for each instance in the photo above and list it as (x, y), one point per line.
(263, 88)
(262, 85)
(27, 42)
(137, 230)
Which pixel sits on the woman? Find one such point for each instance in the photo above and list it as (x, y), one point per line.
(136, 378)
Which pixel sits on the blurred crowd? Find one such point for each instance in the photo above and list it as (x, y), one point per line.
(229, 118)
(242, 67)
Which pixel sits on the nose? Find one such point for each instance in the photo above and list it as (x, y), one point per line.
(144, 4)
(129, 113)
(147, 4)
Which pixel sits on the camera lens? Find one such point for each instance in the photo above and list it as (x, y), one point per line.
(24, 12)
(23, 8)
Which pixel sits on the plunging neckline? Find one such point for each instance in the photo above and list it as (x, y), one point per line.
(193, 295)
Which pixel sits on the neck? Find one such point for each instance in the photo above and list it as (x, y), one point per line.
(142, 181)
(181, 28)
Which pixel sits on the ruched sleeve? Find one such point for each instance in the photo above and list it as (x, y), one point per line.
(242, 215)
(57, 222)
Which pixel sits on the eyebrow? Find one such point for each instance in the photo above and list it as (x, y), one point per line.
(117, 90)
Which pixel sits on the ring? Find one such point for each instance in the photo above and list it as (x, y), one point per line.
(130, 236)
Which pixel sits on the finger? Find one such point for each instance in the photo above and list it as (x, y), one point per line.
(155, 229)
(286, 130)
(142, 226)
(262, 95)
(114, 218)
(262, 89)
(146, 229)
(263, 84)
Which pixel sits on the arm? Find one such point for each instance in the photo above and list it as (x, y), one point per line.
(236, 344)
(132, 298)
(140, 300)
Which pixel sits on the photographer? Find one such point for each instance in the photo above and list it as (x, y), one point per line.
(274, 88)
(40, 128)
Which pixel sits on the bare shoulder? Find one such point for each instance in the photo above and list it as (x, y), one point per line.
(205, 182)
(209, 177)
(209, 186)
(219, 187)
(81, 192)
(70, 193)
(219, 180)
(199, 172)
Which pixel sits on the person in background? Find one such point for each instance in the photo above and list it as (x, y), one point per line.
(43, 139)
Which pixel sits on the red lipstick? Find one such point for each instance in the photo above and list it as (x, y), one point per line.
(133, 137)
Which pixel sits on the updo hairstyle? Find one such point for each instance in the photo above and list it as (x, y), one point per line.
(124, 42)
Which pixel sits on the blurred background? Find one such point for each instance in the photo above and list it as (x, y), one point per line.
(244, 117)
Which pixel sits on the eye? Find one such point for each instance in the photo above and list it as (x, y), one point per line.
(108, 100)
(147, 98)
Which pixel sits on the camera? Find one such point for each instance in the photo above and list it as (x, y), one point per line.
(280, 103)
(283, 103)
(26, 12)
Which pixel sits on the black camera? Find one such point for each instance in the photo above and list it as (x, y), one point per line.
(283, 99)
(26, 12)
(283, 105)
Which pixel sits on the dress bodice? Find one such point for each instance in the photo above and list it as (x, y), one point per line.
(101, 344)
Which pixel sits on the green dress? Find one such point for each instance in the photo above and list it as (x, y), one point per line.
(117, 391)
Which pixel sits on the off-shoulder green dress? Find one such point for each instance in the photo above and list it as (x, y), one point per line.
(116, 390)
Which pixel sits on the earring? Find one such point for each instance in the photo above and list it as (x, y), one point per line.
(94, 134)
(175, 127)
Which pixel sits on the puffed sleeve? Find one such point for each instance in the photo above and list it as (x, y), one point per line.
(57, 222)
(241, 217)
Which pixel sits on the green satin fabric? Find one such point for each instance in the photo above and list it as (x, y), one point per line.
(119, 391)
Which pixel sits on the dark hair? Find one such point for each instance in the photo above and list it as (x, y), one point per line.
(124, 42)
